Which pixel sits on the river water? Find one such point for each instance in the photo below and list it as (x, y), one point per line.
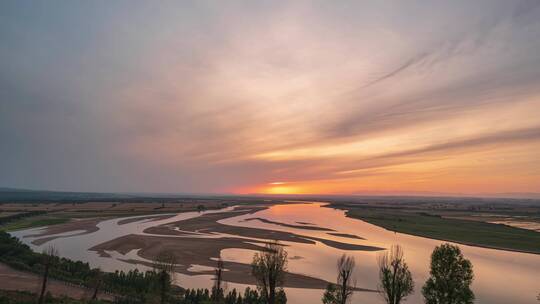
(501, 277)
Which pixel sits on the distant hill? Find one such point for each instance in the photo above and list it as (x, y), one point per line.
(26, 195)
(17, 195)
(5, 189)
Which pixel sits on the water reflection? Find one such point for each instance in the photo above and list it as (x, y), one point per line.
(501, 276)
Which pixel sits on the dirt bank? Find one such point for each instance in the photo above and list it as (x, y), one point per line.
(12, 279)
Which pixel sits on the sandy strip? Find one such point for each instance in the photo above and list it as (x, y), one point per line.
(154, 217)
(86, 225)
(346, 235)
(190, 250)
(89, 225)
(201, 251)
(288, 225)
(346, 246)
(209, 224)
(198, 250)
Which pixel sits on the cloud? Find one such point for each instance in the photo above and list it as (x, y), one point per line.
(198, 96)
(507, 137)
(409, 63)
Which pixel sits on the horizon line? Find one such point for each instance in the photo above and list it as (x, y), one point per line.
(509, 195)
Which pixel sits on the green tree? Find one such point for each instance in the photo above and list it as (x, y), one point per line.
(396, 281)
(330, 294)
(251, 296)
(268, 268)
(450, 278)
(281, 297)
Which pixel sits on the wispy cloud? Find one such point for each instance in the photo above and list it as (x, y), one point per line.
(207, 97)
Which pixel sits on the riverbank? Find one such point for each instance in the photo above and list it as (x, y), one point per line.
(200, 241)
(16, 280)
(433, 225)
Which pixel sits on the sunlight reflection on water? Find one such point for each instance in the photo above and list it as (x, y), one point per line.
(494, 270)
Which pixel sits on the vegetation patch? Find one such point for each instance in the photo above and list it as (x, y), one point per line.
(456, 230)
(34, 222)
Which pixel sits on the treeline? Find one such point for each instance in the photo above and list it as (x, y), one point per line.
(249, 296)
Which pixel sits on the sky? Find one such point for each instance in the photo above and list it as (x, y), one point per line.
(279, 97)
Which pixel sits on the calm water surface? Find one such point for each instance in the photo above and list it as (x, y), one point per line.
(501, 277)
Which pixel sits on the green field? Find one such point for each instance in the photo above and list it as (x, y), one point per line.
(33, 222)
(460, 231)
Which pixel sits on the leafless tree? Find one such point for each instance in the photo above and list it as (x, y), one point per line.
(345, 279)
(164, 267)
(217, 290)
(49, 257)
(341, 292)
(268, 268)
(97, 280)
(396, 281)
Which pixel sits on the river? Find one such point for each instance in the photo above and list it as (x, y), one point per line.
(501, 277)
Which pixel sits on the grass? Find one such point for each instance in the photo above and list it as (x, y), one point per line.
(457, 230)
(32, 223)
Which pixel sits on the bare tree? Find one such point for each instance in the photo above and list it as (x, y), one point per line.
(97, 280)
(268, 268)
(341, 292)
(396, 281)
(217, 290)
(164, 267)
(49, 257)
(345, 280)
